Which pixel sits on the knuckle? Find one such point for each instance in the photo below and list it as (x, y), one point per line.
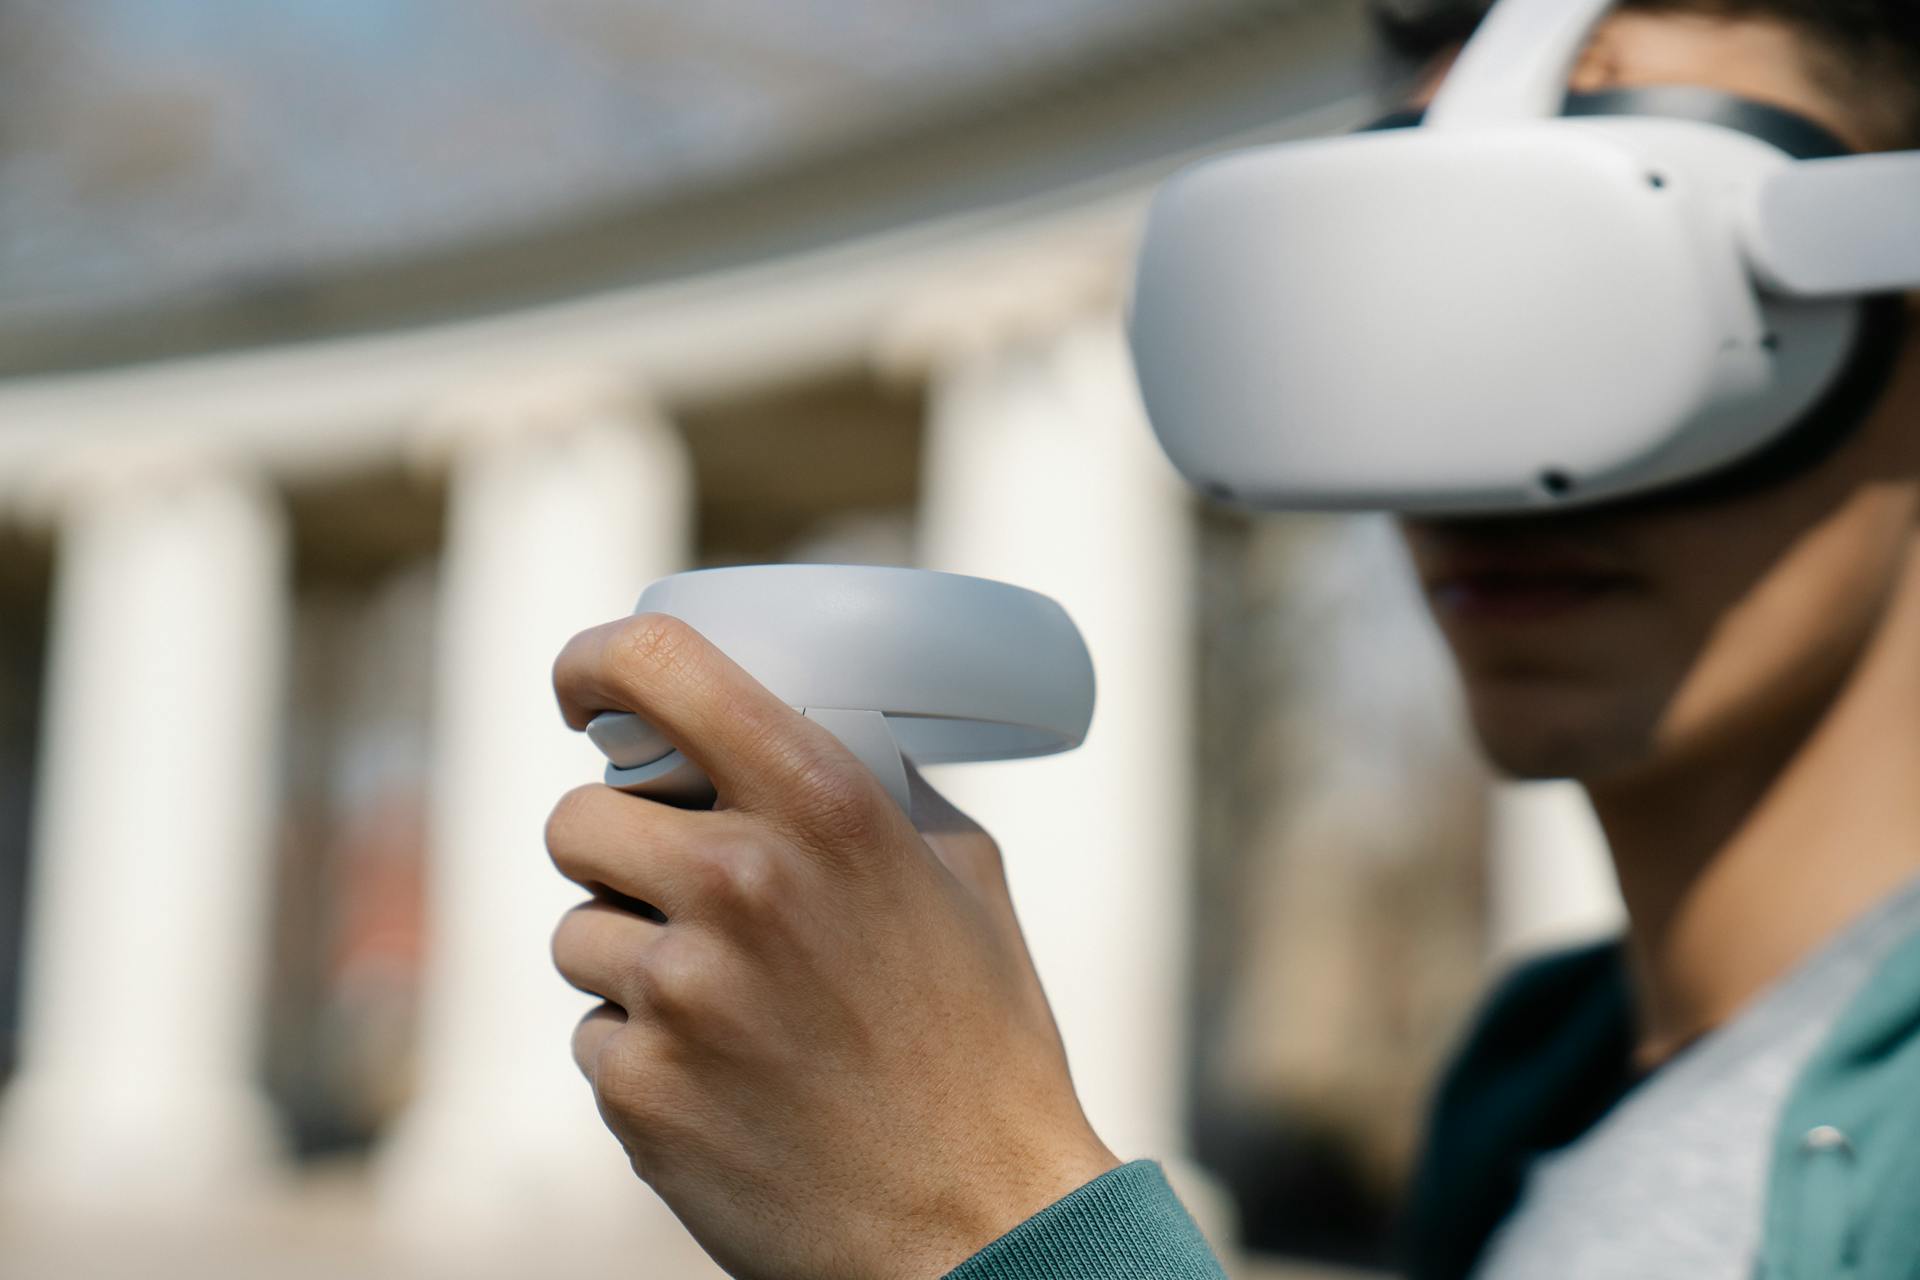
(567, 664)
(652, 644)
(740, 878)
(577, 950)
(841, 804)
(625, 1077)
(568, 818)
(634, 978)
(560, 946)
(678, 982)
(570, 657)
(574, 935)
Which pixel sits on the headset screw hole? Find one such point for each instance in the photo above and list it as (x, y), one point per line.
(1658, 181)
(1558, 484)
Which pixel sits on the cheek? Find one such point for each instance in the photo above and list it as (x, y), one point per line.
(1786, 617)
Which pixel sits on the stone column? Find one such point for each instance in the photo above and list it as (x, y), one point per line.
(1551, 880)
(1041, 470)
(565, 500)
(150, 889)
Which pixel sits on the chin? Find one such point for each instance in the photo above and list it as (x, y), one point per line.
(1537, 743)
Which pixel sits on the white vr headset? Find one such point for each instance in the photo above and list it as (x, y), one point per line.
(1522, 300)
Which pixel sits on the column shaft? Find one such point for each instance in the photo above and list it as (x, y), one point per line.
(1041, 471)
(153, 852)
(1551, 879)
(561, 509)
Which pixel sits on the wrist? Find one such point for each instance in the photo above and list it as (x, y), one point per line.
(994, 1199)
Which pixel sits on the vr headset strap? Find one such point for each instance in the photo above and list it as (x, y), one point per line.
(1836, 228)
(1518, 63)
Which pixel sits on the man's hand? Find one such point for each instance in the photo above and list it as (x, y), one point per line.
(823, 1041)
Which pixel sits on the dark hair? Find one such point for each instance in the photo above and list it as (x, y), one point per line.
(1865, 52)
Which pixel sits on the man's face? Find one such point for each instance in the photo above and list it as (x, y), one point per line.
(1592, 645)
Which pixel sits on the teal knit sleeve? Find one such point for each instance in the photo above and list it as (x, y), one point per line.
(1124, 1225)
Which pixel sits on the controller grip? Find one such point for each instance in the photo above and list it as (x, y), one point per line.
(642, 761)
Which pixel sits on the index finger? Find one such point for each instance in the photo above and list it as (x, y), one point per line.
(759, 752)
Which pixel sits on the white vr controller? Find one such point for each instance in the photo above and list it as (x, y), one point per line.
(934, 667)
(1507, 309)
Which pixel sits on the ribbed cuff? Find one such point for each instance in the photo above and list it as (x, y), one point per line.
(1124, 1225)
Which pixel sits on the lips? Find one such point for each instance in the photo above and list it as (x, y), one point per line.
(1518, 596)
(1512, 580)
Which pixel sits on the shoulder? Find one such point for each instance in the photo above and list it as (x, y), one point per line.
(1527, 1008)
(1544, 1056)
(1846, 1167)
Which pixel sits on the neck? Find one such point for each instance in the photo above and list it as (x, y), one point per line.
(1738, 864)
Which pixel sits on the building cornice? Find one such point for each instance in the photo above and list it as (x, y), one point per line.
(1136, 113)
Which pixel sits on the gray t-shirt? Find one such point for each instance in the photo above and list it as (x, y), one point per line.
(1671, 1184)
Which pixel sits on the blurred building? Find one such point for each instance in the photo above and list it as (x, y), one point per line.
(352, 356)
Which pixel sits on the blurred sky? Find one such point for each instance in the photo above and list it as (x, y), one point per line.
(164, 144)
